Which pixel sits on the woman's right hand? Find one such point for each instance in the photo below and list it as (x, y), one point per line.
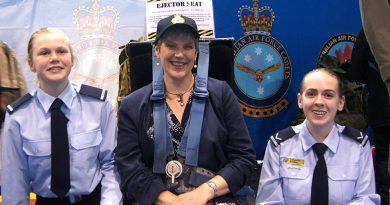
(166, 198)
(189, 198)
(202, 195)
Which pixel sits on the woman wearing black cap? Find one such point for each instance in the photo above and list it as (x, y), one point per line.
(153, 156)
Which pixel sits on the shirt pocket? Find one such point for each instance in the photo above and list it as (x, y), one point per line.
(295, 180)
(86, 140)
(85, 149)
(38, 154)
(40, 148)
(342, 181)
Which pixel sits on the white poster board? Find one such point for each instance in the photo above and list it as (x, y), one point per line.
(201, 11)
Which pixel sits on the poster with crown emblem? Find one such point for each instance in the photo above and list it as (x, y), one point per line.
(96, 49)
(276, 43)
(96, 30)
(262, 67)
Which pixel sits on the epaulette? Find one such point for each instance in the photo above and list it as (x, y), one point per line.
(16, 104)
(282, 136)
(94, 92)
(355, 135)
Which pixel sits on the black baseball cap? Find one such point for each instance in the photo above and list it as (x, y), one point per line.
(176, 20)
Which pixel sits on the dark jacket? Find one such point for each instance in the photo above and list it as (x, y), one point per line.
(225, 145)
(360, 70)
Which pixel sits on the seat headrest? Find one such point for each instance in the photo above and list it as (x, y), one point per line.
(140, 58)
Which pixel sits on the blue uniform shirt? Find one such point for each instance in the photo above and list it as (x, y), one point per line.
(287, 171)
(27, 147)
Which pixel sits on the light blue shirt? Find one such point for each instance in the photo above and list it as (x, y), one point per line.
(287, 170)
(27, 148)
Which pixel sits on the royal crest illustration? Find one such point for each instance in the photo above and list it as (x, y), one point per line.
(262, 67)
(256, 19)
(97, 51)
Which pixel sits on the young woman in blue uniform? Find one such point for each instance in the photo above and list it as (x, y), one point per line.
(30, 131)
(225, 152)
(290, 161)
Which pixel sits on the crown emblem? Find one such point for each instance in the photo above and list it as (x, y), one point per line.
(96, 21)
(256, 20)
(177, 19)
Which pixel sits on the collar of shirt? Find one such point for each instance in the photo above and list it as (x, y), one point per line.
(46, 100)
(331, 141)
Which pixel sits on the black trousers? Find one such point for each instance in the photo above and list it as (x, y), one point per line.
(382, 178)
(92, 199)
(244, 200)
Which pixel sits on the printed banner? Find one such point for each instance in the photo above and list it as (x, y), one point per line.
(277, 42)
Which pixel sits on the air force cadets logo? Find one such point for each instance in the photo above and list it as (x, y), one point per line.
(262, 67)
(97, 50)
(339, 47)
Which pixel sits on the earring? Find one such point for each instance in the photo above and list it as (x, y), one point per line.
(158, 61)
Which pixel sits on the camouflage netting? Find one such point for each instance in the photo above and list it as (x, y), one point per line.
(354, 113)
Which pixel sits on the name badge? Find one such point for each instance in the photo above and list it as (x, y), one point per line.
(293, 161)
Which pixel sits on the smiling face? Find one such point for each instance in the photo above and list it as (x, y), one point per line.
(320, 99)
(50, 56)
(177, 52)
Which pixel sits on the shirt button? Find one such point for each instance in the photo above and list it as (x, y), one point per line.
(293, 173)
(343, 175)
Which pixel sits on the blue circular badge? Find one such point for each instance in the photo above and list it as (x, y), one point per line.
(262, 73)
